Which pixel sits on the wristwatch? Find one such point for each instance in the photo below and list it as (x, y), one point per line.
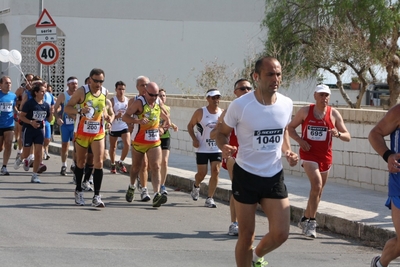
(339, 134)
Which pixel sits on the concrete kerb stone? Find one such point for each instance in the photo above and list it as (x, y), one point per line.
(183, 180)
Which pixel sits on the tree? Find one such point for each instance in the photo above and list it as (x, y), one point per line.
(335, 36)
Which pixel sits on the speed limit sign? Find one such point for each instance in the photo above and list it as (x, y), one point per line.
(47, 53)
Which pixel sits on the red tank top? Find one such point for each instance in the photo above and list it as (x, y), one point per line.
(315, 132)
(233, 142)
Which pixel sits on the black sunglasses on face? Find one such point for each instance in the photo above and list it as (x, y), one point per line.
(97, 81)
(243, 88)
(153, 95)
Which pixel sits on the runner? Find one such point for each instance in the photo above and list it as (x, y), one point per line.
(34, 112)
(119, 128)
(90, 117)
(146, 140)
(65, 122)
(7, 105)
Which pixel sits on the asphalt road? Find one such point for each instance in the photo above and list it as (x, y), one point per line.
(41, 226)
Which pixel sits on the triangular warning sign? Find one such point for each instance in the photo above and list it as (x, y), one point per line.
(45, 20)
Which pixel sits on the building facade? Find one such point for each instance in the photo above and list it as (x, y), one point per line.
(167, 41)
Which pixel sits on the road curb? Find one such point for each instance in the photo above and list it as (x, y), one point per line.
(183, 180)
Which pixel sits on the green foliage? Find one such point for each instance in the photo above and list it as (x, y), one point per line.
(333, 35)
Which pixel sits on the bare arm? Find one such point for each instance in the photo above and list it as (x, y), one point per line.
(108, 112)
(58, 104)
(291, 157)
(197, 115)
(297, 120)
(340, 127)
(388, 124)
(222, 139)
(77, 97)
(213, 133)
(135, 107)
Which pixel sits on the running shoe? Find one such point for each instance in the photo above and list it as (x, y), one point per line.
(130, 194)
(233, 229)
(303, 226)
(46, 156)
(311, 229)
(159, 199)
(144, 195)
(210, 203)
(96, 202)
(259, 263)
(42, 168)
(79, 199)
(72, 168)
(195, 193)
(164, 190)
(375, 260)
(138, 184)
(4, 171)
(35, 179)
(121, 167)
(15, 145)
(63, 171)
(31, 162)
(113, 169)
(86, 186)
(17, 163)
(26, 165)
(18, 156)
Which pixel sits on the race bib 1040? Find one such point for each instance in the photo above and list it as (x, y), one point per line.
(267, 140)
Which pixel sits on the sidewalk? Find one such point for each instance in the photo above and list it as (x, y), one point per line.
(346, 210)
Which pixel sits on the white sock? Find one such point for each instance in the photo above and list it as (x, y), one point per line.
(378, 264)
(255, 257)
(64, 164)
(132, 186)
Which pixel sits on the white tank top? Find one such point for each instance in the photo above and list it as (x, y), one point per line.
(203, 130)
(260, 132)
(119, 107)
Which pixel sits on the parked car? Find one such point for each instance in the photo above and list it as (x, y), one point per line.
(374, 93)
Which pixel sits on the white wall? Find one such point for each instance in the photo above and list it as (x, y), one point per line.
(164, 40)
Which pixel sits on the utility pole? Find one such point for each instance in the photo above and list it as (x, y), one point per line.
(40, 13)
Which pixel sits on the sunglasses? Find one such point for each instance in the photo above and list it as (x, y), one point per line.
(243, 88)
(215, 97)
(153, 95)
(97, 81)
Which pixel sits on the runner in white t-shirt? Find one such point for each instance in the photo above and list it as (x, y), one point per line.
(260, 119)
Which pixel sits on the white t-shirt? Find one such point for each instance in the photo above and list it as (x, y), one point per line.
(260, 131)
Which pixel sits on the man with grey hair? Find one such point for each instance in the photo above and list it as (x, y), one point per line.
(319, 124)
(141, 84)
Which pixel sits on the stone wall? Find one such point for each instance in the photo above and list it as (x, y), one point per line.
(355, 162)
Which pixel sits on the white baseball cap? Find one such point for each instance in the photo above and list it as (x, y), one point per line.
(213, 93)
(322, 88)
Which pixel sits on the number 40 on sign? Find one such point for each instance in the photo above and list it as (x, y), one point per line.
(47, 53)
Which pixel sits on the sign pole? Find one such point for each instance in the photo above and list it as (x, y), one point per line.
(40, 12)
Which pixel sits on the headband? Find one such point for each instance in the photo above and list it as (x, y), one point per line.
(72, 81)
